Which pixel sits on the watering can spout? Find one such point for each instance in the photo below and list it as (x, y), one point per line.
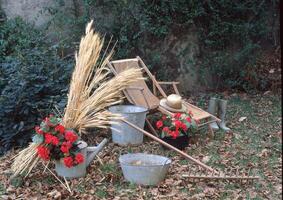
(92, 151)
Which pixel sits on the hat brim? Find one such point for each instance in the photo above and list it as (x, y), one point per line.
(163, 104)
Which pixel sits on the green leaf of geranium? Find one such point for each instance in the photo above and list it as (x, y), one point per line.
(37, 139)
(188, 124)
(54, 121)
(44, 127)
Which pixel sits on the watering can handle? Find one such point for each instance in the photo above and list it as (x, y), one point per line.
(92, 151)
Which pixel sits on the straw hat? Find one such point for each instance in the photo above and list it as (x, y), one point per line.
(173, 103)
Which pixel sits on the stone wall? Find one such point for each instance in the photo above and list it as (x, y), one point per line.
(30, 10)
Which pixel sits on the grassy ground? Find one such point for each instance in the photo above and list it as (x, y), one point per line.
(256, 143)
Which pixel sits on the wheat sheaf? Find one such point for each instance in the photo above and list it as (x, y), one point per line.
(92, 90)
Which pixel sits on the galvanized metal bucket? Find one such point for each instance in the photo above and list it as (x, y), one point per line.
(144, 169)
(122, 133)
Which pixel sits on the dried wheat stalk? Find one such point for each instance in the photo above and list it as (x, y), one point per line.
(91, 92)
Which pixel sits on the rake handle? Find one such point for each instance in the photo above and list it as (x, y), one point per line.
(171, 147)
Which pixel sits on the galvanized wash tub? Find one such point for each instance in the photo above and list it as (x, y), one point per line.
(122, 133)
(144, 169)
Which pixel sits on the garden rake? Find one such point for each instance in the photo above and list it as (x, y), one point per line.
(230, 174)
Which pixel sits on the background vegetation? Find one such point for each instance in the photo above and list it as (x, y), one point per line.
(231, 34)
(35, 65)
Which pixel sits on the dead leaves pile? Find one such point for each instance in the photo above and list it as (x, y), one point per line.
(252, 145)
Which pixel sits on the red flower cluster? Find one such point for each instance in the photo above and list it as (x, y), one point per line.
(43, 152)
(178, 125)
(57, 139)
(51, 139)
(65, 147)
(159, 124)
(70, 136)
(70, 161)
(60, 128)
(79, 158)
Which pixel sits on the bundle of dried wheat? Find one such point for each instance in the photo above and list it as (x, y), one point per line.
(91, 92)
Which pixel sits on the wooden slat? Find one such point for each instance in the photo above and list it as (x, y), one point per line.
(152, 77)
(143, 98)
(197, 113)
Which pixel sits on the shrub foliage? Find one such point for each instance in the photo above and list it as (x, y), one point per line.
(231, 33)
(33, 80)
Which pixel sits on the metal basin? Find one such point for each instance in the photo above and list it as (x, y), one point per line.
(144, 169)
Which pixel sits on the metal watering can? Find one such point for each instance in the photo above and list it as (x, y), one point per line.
(89, 154)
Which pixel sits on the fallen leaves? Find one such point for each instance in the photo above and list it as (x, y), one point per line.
(206, 159)
(54, 194)
(263, 153)
(253, 144)
(242, 119)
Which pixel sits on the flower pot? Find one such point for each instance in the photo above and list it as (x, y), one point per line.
(180, 142)
(79, 170)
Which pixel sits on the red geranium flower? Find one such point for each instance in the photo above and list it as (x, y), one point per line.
(38, 130)
(184, 127)
(177, 115)
(55, 140)
(79, 158)
(165, 129)
(60, 128)
(188, 119)
(178, 124)
(68, 161)
(50, 139)
(43, 152)
(175, 134)
(164, 117)
(159, 124)
(70, 136)
(65, 147)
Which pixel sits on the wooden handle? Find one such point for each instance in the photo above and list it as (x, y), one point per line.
(171, 147)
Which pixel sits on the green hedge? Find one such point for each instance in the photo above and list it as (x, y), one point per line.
(33, 78)
(232, 34)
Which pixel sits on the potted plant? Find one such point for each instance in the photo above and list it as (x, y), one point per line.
(177, 129)
(62, 145)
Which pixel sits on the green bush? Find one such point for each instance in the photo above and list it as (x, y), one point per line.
(33, 78)
(232, 34)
